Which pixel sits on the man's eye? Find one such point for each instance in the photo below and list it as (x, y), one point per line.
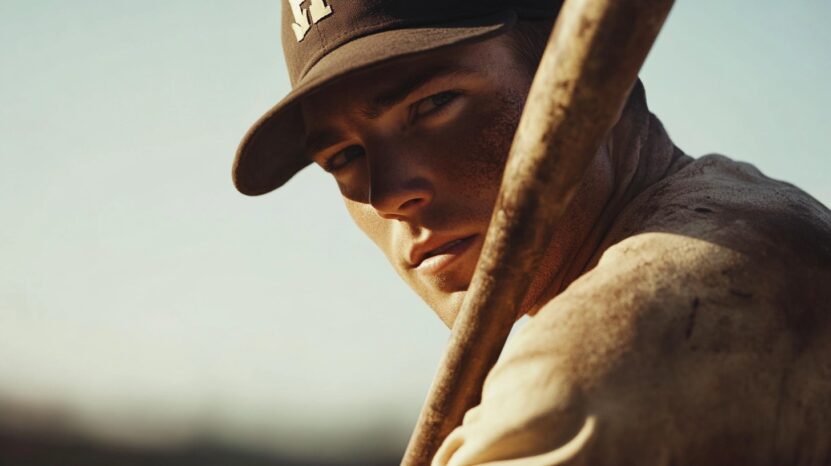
(342, 158)
(433, 103)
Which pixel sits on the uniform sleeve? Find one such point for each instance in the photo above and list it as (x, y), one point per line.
(536, 405)
(653, 358)
(532, 413)
(511, 431)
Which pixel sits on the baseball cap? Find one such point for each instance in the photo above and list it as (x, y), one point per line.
(326, 40)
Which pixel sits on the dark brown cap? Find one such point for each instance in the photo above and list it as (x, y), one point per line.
(324, 40)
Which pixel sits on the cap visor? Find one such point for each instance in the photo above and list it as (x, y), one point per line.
(272, 151)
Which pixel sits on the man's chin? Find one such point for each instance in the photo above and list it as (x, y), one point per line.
(445, 292)
(448, 306)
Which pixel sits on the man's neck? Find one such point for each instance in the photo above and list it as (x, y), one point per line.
(637, 154)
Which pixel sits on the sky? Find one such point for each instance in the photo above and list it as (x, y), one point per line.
(143, 300)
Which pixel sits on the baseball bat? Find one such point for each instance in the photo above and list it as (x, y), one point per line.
(590, 64)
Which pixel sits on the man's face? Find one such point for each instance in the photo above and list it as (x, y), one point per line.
(417, 148)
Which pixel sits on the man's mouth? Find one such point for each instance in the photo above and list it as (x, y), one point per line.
(435, 259)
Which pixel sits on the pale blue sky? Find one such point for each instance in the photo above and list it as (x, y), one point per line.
(135, 283)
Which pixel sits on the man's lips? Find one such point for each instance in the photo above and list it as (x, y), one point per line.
(434, 254)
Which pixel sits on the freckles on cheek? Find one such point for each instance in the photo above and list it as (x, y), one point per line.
(480, 149)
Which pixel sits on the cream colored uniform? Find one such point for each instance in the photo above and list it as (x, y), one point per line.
(700, 335)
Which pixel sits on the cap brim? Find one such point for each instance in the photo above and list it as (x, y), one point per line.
(272, 151)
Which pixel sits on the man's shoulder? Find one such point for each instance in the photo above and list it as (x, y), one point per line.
(648, 282)
(668, 340)
(701, 270)
(735, 205)
(705, 318)
(712, 253)
(663, 320)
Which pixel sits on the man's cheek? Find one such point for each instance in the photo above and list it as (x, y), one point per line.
(482, 149)
(368, 221)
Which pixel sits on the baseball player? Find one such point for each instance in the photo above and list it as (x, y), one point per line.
(681, 312)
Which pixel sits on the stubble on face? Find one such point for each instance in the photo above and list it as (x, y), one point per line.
(460, 161)
(477, 167)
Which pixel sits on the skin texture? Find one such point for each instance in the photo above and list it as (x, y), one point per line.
(420, 169)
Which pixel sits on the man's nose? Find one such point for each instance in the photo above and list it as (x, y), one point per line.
(398, 191)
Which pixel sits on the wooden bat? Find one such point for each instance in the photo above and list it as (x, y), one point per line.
(590, 63)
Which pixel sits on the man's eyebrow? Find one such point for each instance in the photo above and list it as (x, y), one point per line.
(380, 103)
(318, 140)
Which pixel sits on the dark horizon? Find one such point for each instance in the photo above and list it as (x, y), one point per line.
(39, 449)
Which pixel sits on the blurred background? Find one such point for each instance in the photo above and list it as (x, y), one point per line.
(150, 314)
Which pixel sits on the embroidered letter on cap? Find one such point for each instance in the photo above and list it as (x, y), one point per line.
(318, 9)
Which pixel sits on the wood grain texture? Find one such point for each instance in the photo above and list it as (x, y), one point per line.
(591, 61)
